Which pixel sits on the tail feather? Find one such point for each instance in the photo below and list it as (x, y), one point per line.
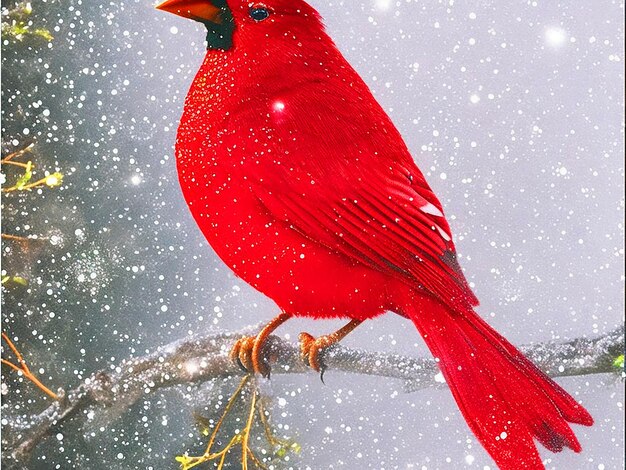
(506, 400)
(571, 409)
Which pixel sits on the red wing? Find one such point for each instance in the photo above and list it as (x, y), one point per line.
(381, 219)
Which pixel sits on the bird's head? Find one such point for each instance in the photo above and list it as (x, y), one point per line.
(244, 23)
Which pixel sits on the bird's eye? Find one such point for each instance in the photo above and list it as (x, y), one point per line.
(259, 12)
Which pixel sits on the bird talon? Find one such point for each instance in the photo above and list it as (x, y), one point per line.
(306, 342)
(261, 366)
(241, 353)
(248, 352)
(310, 350)
(315, 361)
(234, 354)
(240, 364)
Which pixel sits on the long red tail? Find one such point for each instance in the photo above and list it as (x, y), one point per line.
(506, 400)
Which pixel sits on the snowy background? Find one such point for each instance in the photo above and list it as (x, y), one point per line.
(514, 111)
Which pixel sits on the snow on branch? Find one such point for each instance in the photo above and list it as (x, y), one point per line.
(199, 359)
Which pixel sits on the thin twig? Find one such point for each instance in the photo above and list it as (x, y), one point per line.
(20, 164)
(17, 238)
(50, 181)
(229, 405)
(191, 462)
(246, 433)
(17, 153)
(24, 369)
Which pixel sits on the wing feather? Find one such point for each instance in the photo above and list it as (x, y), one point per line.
(378, 224)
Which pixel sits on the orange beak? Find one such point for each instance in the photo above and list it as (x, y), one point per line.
(198, 10)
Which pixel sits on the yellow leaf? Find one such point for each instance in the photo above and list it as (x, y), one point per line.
(184, 460)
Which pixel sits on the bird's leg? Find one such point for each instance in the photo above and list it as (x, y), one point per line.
(310, 348)
(247, 351)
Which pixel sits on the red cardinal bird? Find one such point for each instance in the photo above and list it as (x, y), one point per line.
(305, 189)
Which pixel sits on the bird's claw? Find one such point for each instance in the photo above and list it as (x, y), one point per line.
(311, 350)
(240, 364)
(247, 353)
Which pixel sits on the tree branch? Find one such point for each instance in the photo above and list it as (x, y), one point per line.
(200, 359)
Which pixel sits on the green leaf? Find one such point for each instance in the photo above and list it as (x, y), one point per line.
(19, 280)
(295, 447)
(204, 424)
(14, 30)
(43, 33)
(287, 446)
(9, 280)
(185, 461)
(25, 178)
(16, 24)
(618, 363)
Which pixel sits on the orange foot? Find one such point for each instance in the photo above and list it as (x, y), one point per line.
(248, 351)
(311, 348)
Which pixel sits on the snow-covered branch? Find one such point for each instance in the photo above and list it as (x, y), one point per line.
(200, 359)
